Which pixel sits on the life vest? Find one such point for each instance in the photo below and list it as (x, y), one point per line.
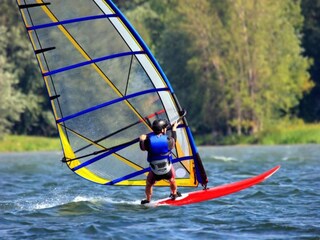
(159, 154)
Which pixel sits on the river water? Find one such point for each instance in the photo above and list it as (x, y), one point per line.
(41, 198)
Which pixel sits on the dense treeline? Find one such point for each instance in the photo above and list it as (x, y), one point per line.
(237, 66)
(310, 104)
(24, 105)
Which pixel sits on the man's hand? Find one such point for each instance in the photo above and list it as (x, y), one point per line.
(175, 125)
(141, 143)
(143, 137)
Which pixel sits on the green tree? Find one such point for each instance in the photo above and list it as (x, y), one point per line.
(36, 118)
(247, 59)
(310, 105)
(272, 72)
(11, 105)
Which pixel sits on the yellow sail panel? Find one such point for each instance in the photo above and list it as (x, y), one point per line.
(69, 154)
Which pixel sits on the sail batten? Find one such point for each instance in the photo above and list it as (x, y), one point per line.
(42, 50)
(23, 6)
(105, 89)
(74, 20)
(110, 103)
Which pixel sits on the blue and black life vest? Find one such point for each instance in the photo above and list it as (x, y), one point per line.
(159, 154)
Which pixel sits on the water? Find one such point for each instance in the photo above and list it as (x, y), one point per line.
(41, 199)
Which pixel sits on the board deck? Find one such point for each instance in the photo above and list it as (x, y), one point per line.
(215, 192)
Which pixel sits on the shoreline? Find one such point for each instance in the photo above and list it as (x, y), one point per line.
(24, 143)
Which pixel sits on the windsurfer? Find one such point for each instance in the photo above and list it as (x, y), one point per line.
(159, 147)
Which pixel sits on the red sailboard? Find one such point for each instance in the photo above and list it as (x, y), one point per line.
(215, 192)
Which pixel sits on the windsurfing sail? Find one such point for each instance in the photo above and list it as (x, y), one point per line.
(105, 88)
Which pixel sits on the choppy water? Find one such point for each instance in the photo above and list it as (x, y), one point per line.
(41, 199)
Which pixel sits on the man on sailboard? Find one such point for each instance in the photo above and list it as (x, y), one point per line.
(159, 147)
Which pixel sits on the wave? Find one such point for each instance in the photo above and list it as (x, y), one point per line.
(223, 158)
(67, 202)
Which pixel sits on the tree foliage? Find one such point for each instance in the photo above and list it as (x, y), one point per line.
(310, 105)
(32, 114)
(237, 66)
(11, 105)
(243, 60)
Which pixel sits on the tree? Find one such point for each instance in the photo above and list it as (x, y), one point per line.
(310, 104)
(247, 56)
(273, 71)
(36, 118)
(11, 105)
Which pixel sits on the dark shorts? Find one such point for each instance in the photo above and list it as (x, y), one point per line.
(152, 177)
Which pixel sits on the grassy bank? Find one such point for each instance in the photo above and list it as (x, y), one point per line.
(285, 134)
(29, 143)
(294, 133)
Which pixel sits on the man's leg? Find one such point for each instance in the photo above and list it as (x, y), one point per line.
(148, 191)
(149, 183)
(173, 186)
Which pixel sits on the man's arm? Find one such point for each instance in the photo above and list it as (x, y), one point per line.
(174, 131)
(173, 139)
(142, 142)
